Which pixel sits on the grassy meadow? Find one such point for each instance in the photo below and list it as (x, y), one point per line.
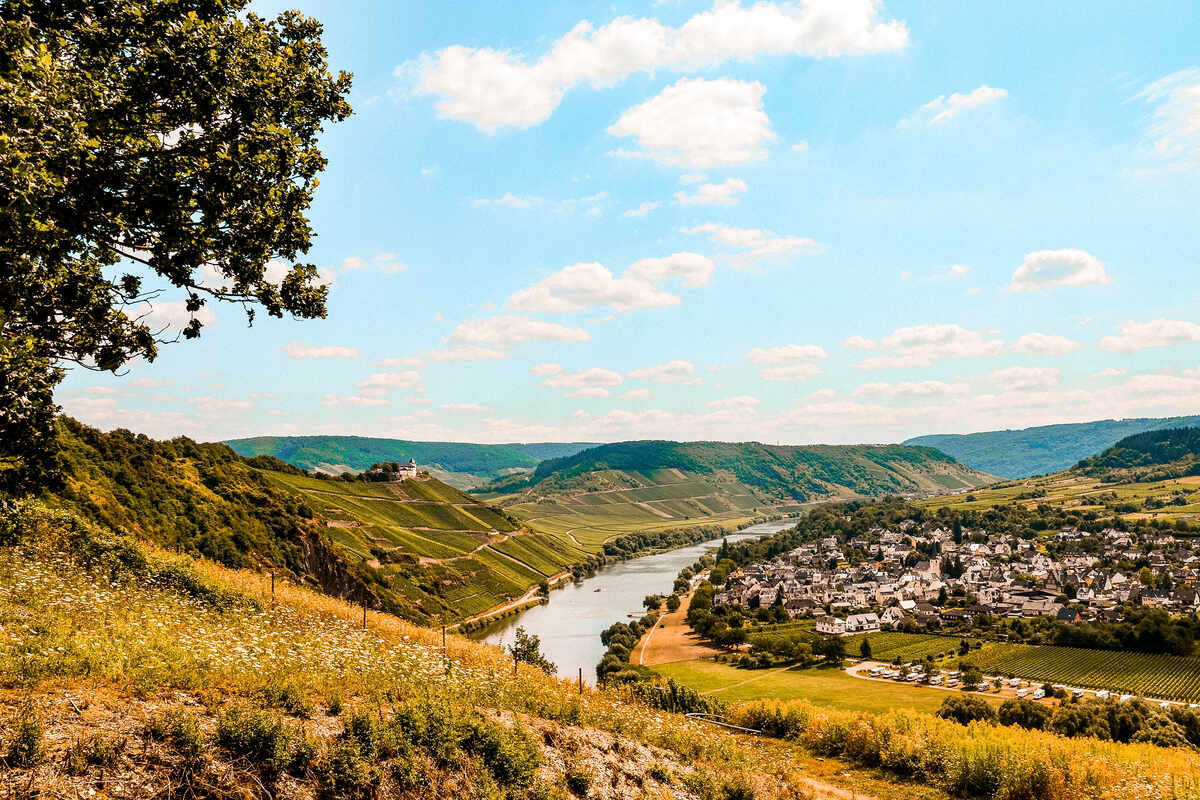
(191, 675)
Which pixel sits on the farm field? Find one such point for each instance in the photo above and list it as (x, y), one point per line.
(1160, 676)
(823, 686)
(904, 646)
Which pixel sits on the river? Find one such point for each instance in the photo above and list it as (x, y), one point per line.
(571, 622)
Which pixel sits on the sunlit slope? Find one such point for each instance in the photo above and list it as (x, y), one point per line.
(603, 492)
(441, 552)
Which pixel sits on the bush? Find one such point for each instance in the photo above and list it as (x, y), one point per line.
(264, 739)
(579, 780)
(512, 756)
(290, 698)
(176, 728)
(1024, 713)
(965, 709)
(26, 748)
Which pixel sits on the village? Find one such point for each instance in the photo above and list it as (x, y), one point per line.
(925, 577)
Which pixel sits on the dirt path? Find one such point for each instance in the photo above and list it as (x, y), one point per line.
(671, 639)
(515, 560)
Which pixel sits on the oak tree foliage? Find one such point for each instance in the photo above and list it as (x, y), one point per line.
(149, 150)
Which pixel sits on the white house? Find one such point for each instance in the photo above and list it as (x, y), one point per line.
(862, 623)
(831, 626)
(408, 470)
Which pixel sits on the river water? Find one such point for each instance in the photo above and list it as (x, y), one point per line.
(570, 624)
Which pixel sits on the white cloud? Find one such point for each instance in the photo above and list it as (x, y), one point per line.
(353, 401)
(507, 200)
(921, 345)
(492, 89)
(943, 109)
(151, 383)
(592, 382)
(1175, 132)
(754, 243)
(791, 372)
(699, 123)
(911, 389)
(589, 391)
(742, 402)
(860, 343)
(692, 269)
(1045, 269)
(713, 194)
(545, 369)
(512, 329)
(786, 354)
(820, 395)
(464, 408)
(1133, 336)
(959, 270)
(642, 210)
(1014, 378)
(692, 177)
(469, 353)
(637, 394)
(581, 286)
(403, 361)
(386, 381)
(676, 371)
(419, 401)
(388, 262)
(300, 350)
(1045, 344)
(800, 147)
(170, 315)
(352, 263)
(1109, 372)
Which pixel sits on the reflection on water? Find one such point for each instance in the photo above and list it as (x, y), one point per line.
(570, 624)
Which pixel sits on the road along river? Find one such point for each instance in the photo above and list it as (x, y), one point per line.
(570, 624)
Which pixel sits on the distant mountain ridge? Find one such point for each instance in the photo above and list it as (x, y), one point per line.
(784, 472)
(1044, 449)
(480, 461)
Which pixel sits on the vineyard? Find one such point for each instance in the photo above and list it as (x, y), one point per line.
(1159, 676)
(904, 646)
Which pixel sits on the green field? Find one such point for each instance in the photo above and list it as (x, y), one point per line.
(1168, 677)
(824, 686)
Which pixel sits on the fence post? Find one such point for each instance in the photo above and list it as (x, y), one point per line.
(581, 681)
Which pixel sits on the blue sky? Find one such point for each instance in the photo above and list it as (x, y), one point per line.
(823, 221)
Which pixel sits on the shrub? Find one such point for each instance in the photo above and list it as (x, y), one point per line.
(334, 703)
(345, 774)
(176, 728)
(965, 709)
(26, 748)
(290, 698)
(1024, 713)
(98, 751)
(512, 756)
(263, 738)
(579, 780)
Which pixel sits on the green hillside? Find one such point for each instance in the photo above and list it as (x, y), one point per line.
(1044, 449)
(1154, 455)
(420, 549)
(602, 493)
(440, 553)
(464, 464)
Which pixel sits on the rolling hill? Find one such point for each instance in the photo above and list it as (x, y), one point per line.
(598, 494)
(1153, 455)
(1044, 449)
(420, 548)
(458, 463)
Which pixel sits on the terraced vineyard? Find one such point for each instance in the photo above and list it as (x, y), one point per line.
(433, 549)
(904, 646)
(1161, 676)
(616, 502)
